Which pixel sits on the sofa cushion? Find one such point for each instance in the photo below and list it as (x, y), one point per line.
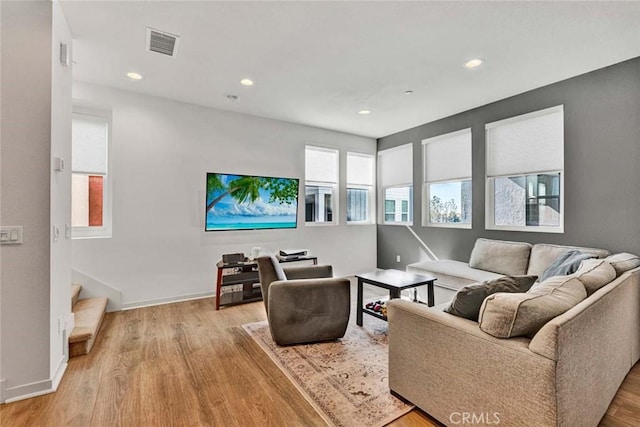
(623, 262)
(451, 274)
(594, 274)
(543, 254)
(505, 315)
(468, 300)
(510, 258)
(565, 264)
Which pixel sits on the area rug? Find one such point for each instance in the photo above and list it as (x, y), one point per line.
(344, 380)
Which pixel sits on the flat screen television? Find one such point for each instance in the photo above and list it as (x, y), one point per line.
(246, 202)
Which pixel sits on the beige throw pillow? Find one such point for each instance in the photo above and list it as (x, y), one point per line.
(503, 257)
(594, 274)
(506, 315)
(623, 262)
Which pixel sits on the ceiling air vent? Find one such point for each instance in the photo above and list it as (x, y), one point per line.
(162, 42)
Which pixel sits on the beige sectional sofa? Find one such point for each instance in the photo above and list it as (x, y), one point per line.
(564, 375)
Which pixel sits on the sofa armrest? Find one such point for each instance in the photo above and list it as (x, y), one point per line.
(594, 345)
(446, 365)
(308, 272)
(299, 310)
(459, 324)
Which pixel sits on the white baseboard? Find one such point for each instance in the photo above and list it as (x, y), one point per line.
(27, 391)
(62, 367)
(167, 300)
(38, 388)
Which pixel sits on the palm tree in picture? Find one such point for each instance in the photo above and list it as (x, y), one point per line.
(247, 188)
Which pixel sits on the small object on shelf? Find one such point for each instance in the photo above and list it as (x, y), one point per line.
(233, 258)
(293, 252)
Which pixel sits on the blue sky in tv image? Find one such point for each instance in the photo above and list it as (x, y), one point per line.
(250, 202)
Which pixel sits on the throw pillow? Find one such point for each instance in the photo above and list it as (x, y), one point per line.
(502, 257)
(623, 262)
(594, 274)
(468, 300)
(506, 315)
(565, 264)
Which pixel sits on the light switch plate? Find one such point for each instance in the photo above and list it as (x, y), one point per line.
(11, 235)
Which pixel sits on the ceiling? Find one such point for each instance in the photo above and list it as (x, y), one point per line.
(319, 63)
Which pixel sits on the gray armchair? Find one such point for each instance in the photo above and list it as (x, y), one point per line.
(305, 304)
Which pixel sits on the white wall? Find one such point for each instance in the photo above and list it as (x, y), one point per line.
(161, 152)
(61, 87)
(25, 194)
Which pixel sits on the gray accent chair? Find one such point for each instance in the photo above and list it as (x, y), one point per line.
(305, 305)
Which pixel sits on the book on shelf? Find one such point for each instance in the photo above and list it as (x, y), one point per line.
(288, 257)
(293, 252)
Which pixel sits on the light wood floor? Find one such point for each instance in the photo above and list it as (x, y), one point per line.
(186, 364)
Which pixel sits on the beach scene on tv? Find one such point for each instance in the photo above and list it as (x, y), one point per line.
(243, 202)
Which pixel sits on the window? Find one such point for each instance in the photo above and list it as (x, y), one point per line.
(360, 184)
(321, 176)
(389, 209)
(90, 179)
(525, 172)
(396, 183)
(447, 180)
(398, 204)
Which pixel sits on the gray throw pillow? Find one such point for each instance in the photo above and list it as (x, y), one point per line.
(468, 300)
(565, 264)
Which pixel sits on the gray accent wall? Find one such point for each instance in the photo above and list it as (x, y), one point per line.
(602, 168)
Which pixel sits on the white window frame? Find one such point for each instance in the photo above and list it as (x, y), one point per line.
(333, 185)
(106, 230)
(383, 186)
(371, 194)
(426, 191)
(490, 181)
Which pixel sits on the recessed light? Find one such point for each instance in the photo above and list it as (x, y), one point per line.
(408, 92)
(134, 76)
(246, 82)
(473, 63)
(232, 97)
(364, 112)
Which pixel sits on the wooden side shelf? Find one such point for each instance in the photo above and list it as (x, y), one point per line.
(233, 275)
(244, 273)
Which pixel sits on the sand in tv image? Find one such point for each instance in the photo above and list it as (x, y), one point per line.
(244, 202)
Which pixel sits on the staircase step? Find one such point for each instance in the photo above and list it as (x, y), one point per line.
(88, 319)
(75, 294)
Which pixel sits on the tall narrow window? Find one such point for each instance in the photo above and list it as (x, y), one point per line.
(396, 183)
(90, 184)
(447, 180)
(360, 185)
(321, 176)
(525, 172)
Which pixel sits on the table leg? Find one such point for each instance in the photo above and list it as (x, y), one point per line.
(359, 304)
(218, 286)
(394, 293)
(430, 297)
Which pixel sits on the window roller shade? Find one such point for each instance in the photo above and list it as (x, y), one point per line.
(526, 144)
(89, 138)
(448, 157)
(396, 166)
(321, 165)
(359, 169)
